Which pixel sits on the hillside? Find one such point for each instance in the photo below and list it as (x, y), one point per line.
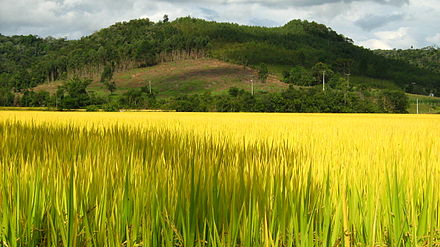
(426, 58)
(184, 77)
(27, 61)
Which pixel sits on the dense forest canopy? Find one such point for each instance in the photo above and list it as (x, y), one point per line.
(425, 58)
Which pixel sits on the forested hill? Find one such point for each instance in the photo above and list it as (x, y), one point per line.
(426, 58)
(26, 61)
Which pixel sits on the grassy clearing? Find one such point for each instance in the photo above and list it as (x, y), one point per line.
(194, 179)
(184, 77)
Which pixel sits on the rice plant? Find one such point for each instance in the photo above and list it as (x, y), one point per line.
(211, 179)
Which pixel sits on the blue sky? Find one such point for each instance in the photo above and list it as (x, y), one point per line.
(374, 24)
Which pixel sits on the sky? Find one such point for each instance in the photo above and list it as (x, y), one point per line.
(374, 24)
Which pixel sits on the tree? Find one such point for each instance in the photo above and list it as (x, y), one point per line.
(107, 73)
(21, 80)
(146, 53)
(138, 98)
(298, 75)
(343, 65)
(6, 97)
(338, 83)
(165, 19)
(133, 98)
(235, 92)
(35, 99)
(111, 86)
(394, 101)
(321, 70)
(263, 72)
(73, 94)
(106, 76)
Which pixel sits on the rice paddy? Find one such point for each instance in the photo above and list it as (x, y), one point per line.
(212, 179)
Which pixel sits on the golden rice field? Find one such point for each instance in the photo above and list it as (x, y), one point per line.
(213, 179)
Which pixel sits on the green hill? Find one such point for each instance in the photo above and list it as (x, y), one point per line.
(27, 61)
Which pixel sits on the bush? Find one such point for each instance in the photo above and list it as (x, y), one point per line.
(92, 108)
(111, 107)
(6, 97)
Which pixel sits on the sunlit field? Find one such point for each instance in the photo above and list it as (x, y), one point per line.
(212, 179)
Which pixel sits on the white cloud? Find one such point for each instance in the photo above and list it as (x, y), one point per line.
(390, 39)
(435, 40)
(400, 33)
(375, 44)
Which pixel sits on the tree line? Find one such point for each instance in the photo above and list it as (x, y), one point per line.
(337, 98)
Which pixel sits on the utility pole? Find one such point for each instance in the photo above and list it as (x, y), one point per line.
(348, 80)
(252, 87)
(417, 105)
(149, 86)
(323, 80)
